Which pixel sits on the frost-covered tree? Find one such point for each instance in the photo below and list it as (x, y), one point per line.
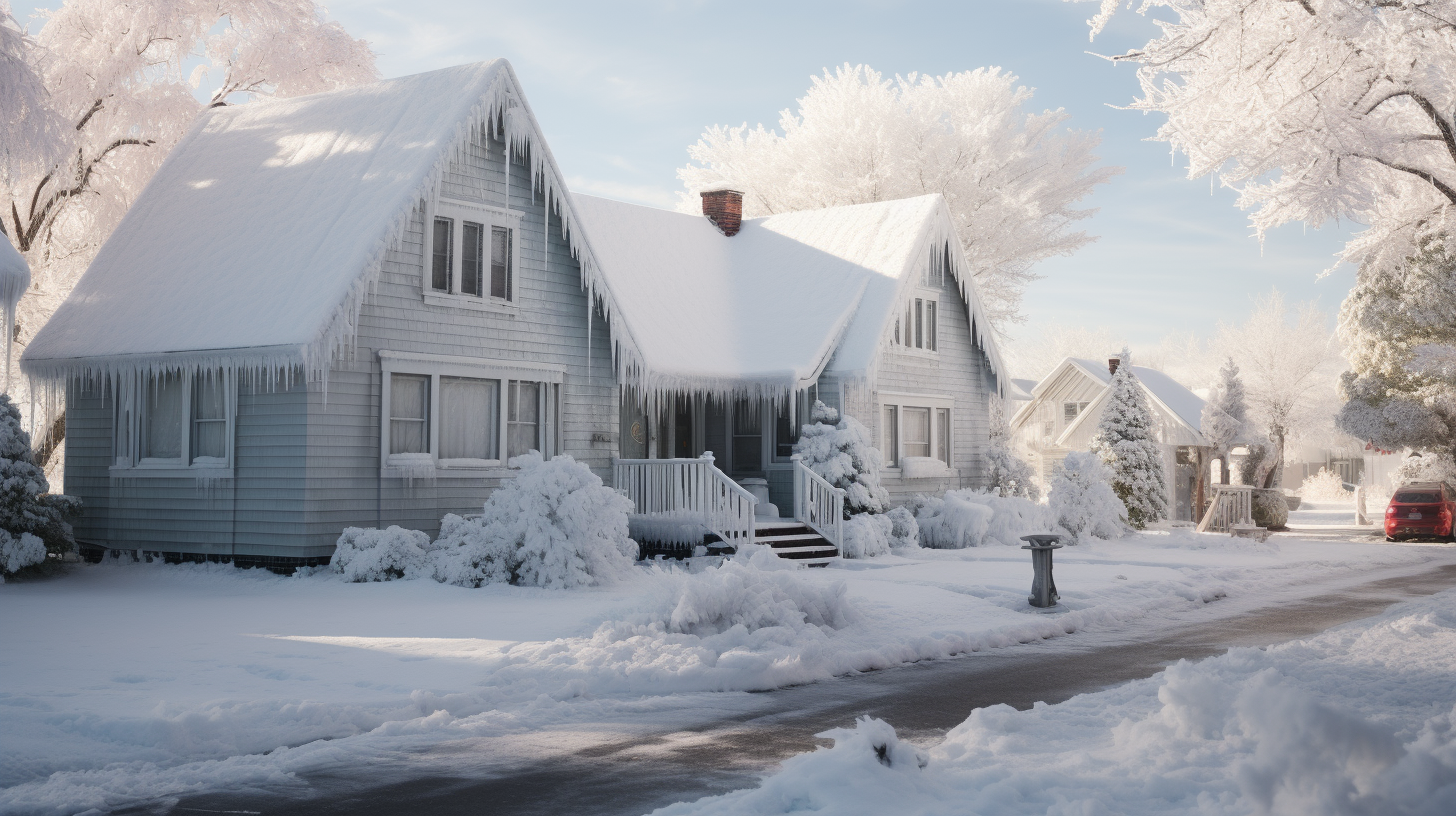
(1313, 110)
(1288, 359)
(839, 449)
(1126, 442)
(1398, 328)
(1010, 177)
(1083, 500)
(28, 511)
(1006, 473)
(122, 77)
(30, 130)
(1225, 420)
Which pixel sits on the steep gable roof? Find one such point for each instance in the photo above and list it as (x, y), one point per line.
(765, 311)
(1171, 400)
(255, 244)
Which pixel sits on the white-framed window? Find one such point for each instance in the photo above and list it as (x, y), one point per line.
(1072, 410)
(459, 413)
(472, 255)
(917, 326)
(916, 426)
(174, 424)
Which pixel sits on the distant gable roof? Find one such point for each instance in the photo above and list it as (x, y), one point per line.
(766, 310)
(1179, 405)
(257, 240)
(1185, 404)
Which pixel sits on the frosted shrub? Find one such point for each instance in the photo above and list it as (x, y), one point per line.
(1424, 467)
(19, 552)
(1006, 473)
(558, 525)
(740, 594)
(867, 535)
(27, 508)
(1325, 486)
(1082, 500)
(465, 556)
(368, 554)
(839, 449)
(966, 518)
(904, 531)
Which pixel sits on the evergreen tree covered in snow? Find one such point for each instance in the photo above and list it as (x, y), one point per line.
(1127, 444)
(1400, 338)
(840, 451)
(1010, 177)
(32, 521)
(1225, 420)
(1006, 473)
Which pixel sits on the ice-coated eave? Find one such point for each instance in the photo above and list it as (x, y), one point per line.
(394, 140)
(872, 330)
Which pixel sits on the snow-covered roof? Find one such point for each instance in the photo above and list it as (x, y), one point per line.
(768, 309)
(1020, 389)
(1184, 404)
(257, 240)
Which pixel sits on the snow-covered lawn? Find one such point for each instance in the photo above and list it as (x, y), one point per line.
(128, 682)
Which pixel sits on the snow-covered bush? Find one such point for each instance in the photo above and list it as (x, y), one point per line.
(26, 505)
(867, 535)
(561, 527)
(1424, 467)
(839, 449)
(369, 554)
(739, 593)
(1082, 499)
(1269, 509)
(19, 552)
(1325, 486)
(1127, 443)
(966, 518)
(465, 556)
(1006, 473)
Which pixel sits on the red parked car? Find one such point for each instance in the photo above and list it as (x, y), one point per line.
(1421, 509)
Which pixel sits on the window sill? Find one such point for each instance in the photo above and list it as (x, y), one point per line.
(910, 351)
(179, 471)
(455, 472)
(476, 304)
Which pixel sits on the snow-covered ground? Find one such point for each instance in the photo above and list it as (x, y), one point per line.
(122, 683)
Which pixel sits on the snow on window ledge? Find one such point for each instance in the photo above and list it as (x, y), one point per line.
(471, 302)
(924, 467)
(171, 470)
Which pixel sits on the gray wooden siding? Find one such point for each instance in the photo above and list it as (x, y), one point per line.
(88, 455)
(958, 369)
(343, 485)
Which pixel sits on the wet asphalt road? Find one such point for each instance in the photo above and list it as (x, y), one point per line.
(922, 701)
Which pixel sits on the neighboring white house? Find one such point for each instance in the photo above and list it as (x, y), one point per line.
(355, 308)
(1066, 405)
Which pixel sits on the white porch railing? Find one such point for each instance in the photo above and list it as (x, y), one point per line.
(1232, 506)
(661, 486)
(817, 503)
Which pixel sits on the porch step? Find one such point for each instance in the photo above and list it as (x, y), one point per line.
(796, 542)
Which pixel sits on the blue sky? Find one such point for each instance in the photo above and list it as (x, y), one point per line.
(622, 88)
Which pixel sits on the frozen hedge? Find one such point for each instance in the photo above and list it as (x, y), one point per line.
(740, 593)
(367, 554)
(555, 525)
(1082, 500)
(1325, 486)
(966, 518)
(867, 535)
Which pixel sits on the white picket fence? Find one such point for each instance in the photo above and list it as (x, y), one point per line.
(672, 486)
(1232, 506)
(817, 503)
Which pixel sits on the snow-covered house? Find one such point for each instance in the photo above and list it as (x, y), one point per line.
(355, 308)
(1066, 405)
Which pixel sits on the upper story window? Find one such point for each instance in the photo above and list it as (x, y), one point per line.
(174, 420)
(473, 255)
(915, 425)
(1072, 410)
(446, 412)
(917, 327)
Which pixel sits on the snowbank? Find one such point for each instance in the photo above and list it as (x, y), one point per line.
(965, 518)
(1359, 720)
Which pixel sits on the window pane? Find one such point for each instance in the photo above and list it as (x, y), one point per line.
(917, 431)
(930, 324)
(209, 417)
(500, 262)
(786, 432)
(1069, 411)
(409, 413)
(163, 417)
(890, 434)
(444, 244)
(469, 418)
(942, 435)
(471, 256)
(747, 436)
(525, 410)
(909, 324)
(919, 327)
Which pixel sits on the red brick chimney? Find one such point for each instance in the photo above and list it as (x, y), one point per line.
(725, 209)
(1112, 364)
